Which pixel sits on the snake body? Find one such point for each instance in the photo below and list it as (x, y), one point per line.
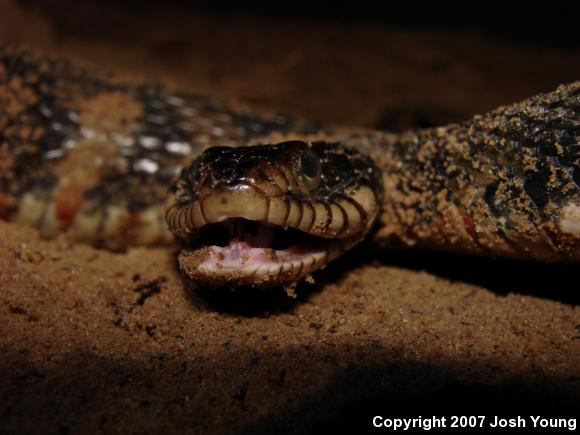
(264, 199)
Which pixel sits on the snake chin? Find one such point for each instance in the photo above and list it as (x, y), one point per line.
(240, 252)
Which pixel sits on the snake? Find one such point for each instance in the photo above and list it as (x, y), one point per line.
(262, 199)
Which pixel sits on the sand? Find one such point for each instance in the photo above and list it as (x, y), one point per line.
(96, 341)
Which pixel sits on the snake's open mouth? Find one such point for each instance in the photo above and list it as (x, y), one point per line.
(254, 253)
(269, 215)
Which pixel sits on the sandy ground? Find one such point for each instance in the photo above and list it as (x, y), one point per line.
(107, 342)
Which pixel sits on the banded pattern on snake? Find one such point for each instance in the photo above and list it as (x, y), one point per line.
(262, 199)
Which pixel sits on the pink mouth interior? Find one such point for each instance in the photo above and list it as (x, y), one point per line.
(240, 244)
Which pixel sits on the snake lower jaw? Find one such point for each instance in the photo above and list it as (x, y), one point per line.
(263, 256)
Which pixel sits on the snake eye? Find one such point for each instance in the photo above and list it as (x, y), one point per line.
(310, 169)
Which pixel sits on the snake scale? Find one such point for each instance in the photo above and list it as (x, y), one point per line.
(262, 199)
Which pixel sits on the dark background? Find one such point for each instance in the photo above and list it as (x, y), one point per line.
(552, 23)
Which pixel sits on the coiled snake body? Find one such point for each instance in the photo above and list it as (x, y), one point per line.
(262, 199)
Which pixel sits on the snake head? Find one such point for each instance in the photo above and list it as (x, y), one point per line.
(271, 214)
